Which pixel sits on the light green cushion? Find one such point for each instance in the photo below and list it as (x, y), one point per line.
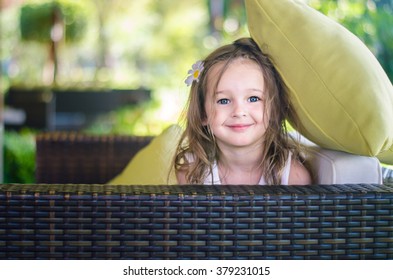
(152, 164)
(340, 92)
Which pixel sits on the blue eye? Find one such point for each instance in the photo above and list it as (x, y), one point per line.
(253, 99)
(223, 101)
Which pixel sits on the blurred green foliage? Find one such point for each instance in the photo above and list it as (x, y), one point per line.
(36, 20)
(19, 156)
(148, 43)
(370, 20)
(141, 119)
(127, 44)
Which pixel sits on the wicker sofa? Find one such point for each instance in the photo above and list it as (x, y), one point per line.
(71, 157)
(71, 214)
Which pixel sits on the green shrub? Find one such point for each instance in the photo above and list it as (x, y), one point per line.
(36, 20)
(19, 157)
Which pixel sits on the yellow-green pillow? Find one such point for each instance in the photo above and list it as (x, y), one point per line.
(340, 92)
(152, 164)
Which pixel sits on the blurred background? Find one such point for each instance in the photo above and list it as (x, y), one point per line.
(118, 66)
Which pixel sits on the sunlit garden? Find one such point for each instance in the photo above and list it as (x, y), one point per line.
(61, 46)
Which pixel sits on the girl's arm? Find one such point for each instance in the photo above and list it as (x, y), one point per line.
(181, 177)
(299, 175)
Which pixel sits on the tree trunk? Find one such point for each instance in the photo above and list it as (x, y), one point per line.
(57, 33)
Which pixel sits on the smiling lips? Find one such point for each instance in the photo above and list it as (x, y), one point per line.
(239, 127)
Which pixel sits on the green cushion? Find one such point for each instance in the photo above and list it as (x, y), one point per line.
(152, 164)
(340, 92)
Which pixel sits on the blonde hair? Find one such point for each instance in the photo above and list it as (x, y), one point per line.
(199, 142)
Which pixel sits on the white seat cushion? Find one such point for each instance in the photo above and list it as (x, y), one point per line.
(336, 167)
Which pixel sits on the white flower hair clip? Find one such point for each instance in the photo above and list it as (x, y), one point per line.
(194, 73)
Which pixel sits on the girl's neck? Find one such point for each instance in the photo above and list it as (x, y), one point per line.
(239, 166)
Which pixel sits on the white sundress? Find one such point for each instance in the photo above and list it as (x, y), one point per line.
(215, 179)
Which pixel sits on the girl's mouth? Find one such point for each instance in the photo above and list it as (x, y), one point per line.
(239, 127)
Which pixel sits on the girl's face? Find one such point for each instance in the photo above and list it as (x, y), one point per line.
(236, 109)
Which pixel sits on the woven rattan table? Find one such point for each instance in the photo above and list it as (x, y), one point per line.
(69, 221)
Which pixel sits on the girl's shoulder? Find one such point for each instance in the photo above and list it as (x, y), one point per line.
(181, 177)
(189, 158)
(299, 175)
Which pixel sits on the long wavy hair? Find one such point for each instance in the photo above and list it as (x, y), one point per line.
(197, 150)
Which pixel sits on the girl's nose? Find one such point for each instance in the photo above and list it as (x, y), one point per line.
(239, 110)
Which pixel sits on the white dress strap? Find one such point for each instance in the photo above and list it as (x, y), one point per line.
(287, 170)
(213, 178)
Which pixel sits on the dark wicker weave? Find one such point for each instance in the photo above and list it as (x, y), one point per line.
(196, 222)
(66, 157)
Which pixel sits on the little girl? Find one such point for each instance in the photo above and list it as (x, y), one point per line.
(235, 122)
